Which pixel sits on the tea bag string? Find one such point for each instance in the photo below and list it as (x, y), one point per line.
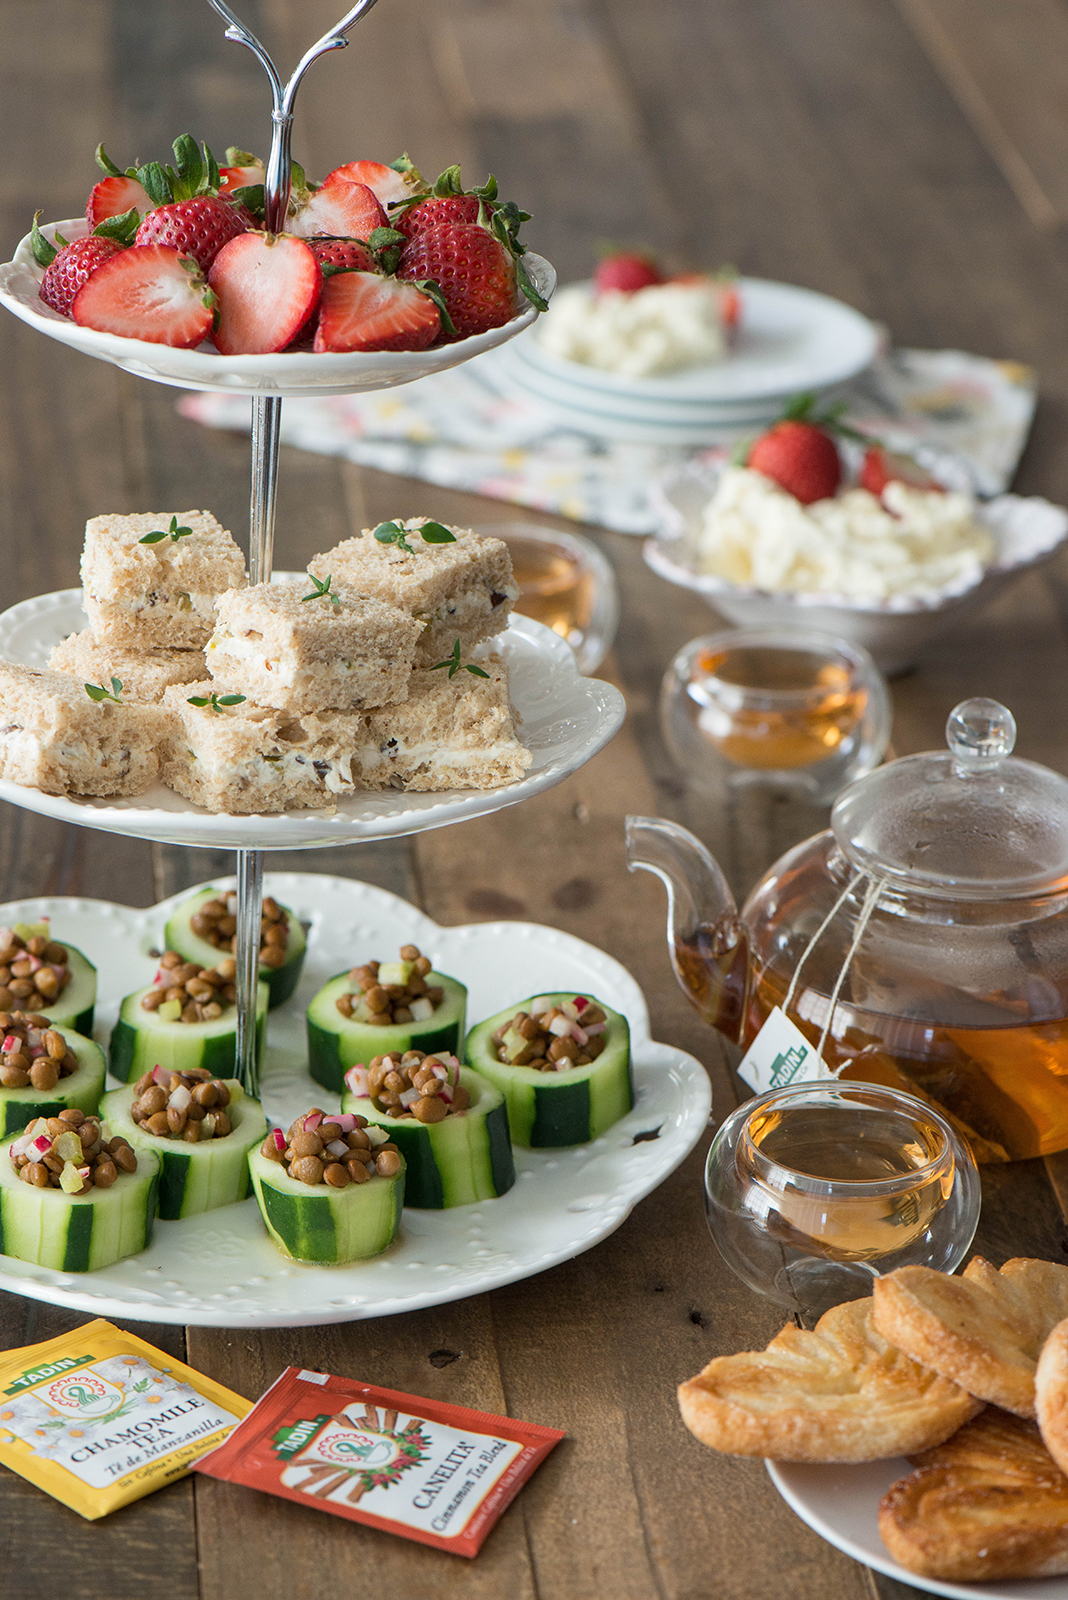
(818, 935)
(874, 890)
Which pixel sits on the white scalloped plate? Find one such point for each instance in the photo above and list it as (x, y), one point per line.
(564, 720)
(290, 372)
(841, 1504)
(221, 1270)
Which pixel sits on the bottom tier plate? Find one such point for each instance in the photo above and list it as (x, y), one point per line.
(220, 1269)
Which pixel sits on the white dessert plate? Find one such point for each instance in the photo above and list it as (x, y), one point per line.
(221, 1270)
(290, 372)
(841, 1504)
(565, 719)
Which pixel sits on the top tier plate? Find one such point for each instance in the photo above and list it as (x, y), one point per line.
(290, 372)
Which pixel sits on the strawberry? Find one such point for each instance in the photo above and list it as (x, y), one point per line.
(148, 292)
(340, 208)
(243, 171)
(67, 266)
(625, 271)
(474, 271)
(198, 227)
(428, 213)
(799, 454)
(343, 254)
(882, 466)
(114, 196)
(389, 185)
(267, 286)
(363, 311)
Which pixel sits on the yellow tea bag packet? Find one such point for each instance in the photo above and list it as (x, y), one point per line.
(98, 1418)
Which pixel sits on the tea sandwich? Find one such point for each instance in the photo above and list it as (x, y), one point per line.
(456, 730)
(302, 647)
(151, 579)
(144, 674)
(244, 758)
(55, 738)
(458, 584)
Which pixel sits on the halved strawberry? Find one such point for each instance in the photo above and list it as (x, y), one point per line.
(114, 196)
(243, 171)
(388, 184)
(475, 272)
(882, 466)
(363, 311)
(267, 286)
(148, 292)
(67, 266)
(343, 254)
(626, 271)
(340, 208)
(198, 227)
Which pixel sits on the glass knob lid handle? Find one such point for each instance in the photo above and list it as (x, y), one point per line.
(980, 733)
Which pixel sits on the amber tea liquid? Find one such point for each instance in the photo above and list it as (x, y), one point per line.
(771, 708)
(555, 586)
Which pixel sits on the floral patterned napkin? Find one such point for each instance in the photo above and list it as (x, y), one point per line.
(963, 414)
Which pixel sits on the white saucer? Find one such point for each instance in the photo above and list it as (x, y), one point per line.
(290, 372)
(564, 720)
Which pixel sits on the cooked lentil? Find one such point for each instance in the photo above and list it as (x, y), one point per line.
(71, 1152)
(33, 972)
(32, 1053)
(384, 993)
(337, 1149)
(200, 993)
(540, 1039)
(188, 1105)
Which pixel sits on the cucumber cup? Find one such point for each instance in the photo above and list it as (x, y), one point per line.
(67, 993)
(191, 924)
(194, 1177)
(341, 1202)
(463, 1157)
(144, 1039)
(383, 1008)
(550, 1109)
(80, 1089)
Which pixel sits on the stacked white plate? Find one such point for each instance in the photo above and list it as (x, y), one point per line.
(790, 340)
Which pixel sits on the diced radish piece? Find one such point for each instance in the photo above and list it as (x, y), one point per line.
(346, 1120)
(279, 1139)
(595, 1028)
(542, 1004)
(421, 1008)
(441, 1073)
(409, 1097)
(21, 1145)
(180, 1098)
(162, 1076)
(579, 1035)
(356, 1078)
(42, 1146)
(446, 1094)
(36, 963)
(33, 1037)
(337, 1148)
(312, 1120)
(580, 1003)
(560, 1025)
(60, 971)
(12, 1043)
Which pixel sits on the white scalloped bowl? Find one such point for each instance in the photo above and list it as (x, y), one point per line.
(1027, 532)
(291, 372)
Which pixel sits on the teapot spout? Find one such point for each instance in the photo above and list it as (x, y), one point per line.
(707, 942)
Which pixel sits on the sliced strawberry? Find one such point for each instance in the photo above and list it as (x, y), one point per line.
(113, 196)
(387, 184)
(198, 227)
(71, 268)
(882, 466)
(267, 286)
(243, 172)
(801, 458)
(340, 208)
(363, 311)
(148, 292)
(626, 271)
(475, 272)
(343, 254)
(730, 305)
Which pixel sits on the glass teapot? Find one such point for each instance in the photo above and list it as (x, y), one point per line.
(921, 941)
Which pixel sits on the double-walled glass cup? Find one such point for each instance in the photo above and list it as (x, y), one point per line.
(565, 581)
(785, 708)
(813, 1190)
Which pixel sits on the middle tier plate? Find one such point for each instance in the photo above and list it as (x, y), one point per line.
(564, 719)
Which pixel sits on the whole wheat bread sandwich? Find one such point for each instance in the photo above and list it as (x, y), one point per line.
(984, 1330)
(144, 674)
(459, 586)
(989, 1503)
(57, 738)
(839, 1392)
(150, 580)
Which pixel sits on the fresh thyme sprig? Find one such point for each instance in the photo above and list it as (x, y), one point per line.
(322, 591)
(96, 691)
(430, 533)
(174, 533)
(215, 702)
(455, 665)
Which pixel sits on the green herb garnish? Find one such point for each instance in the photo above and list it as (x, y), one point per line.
(96, 691)
(322, 591)
(455, 665)
(430, 533)
(174, 533)
(215, 702)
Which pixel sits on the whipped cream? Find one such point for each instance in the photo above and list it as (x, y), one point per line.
(912, 542)
(659, 329)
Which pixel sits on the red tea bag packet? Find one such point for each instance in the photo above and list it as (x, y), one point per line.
(437, 1473)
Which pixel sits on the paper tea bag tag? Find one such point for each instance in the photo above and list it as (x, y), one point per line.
(780, 1055)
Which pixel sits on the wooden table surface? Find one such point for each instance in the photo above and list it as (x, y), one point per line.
(895, 155)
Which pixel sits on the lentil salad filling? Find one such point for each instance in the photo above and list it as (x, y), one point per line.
(33, 972)
(333, 1148)
(72, 1152)
(552, 1037)
(411, 1084)
(387, 992)
(182, 1105)
(184, 991)
(216, 921)
(33, 1054)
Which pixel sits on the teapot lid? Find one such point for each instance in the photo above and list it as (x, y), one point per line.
(969, 823)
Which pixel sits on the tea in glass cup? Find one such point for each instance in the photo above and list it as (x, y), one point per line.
(814, 1189)
(565, 582)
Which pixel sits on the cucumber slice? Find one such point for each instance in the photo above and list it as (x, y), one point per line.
(548, 1110)
(19, 1107)
(316, 1223)
(77, 1233)
(195, 1177)
(280, 981)
(141, 1041)
(336, 1043)
(466, 1157)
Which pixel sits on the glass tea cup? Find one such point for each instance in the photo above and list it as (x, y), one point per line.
(815, 1189)
(785, 707)
(565, 581)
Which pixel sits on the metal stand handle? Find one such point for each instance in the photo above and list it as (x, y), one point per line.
(266, 422)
